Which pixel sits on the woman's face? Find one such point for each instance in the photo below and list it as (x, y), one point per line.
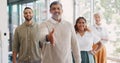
(97, 18)
(81, 24)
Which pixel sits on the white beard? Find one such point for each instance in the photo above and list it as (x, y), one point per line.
(56, 16)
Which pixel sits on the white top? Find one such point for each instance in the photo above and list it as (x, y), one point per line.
(65, 42)
(100, 31)
(87, 40)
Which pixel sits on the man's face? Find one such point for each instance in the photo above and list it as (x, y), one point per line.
(28, 14)
(56, 11)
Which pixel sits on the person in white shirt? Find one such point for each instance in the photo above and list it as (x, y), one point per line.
(86, 40)
(59, 38)
(102, 32)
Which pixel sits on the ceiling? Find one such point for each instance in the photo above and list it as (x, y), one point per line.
(19, 1)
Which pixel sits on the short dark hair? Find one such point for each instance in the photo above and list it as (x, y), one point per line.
(55, 3)
(27, 8)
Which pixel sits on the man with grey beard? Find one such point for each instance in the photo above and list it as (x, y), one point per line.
(26, 41)
(59, 38)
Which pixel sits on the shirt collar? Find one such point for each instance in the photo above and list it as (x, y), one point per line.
(55, 22)
(25, 23)
(100, 26)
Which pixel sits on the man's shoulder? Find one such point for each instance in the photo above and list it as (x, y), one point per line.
(19, 27)
(92, 26)
(66, 22)
(43, 24)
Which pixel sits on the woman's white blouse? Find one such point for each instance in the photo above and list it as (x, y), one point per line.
(87, 40)
(100, 31)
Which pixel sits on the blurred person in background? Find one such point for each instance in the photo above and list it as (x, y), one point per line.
(102, 32)
(86, 39)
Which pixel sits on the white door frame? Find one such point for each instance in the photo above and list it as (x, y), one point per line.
(4, 32)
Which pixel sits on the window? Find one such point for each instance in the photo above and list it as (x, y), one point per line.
(109, 9)
(110, 12)
(83, 8)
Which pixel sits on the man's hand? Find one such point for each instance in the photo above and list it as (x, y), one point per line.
(51, 38)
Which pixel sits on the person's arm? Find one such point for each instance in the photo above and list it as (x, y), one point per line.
(96, 41)
(46, 35)
(75, 47)
(15, 46)
(105, 35)
(43, 32)
(14, 57)
(97, 49)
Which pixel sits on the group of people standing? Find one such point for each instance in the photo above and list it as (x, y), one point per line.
(91, 40)
(56, 40)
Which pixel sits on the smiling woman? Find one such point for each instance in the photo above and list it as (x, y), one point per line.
(86, 39)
